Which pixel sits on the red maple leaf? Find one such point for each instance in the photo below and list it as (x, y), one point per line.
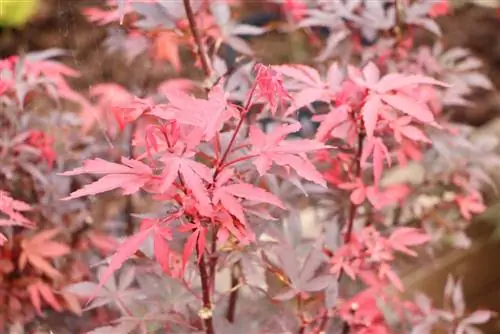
(13, 209)
(388, 91)
(273, 148)
(40, 290)
(160, 231)
(166, 47)
(229, 195)
(209, 115)
(38, 249)
(375, 147)
(130, 175)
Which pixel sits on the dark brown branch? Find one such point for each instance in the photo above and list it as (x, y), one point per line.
(200, 47)
(399, 26)
(357, 172)
(129, 205)
(233, 297)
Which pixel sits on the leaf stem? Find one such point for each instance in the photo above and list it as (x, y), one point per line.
(238, 160)
(236, 131)
(300, 309)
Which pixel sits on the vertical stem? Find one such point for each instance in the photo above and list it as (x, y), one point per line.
(129, 205)
(207, 303)
(205, 276)
(200, 47)
(213, 258)
(233, 297)
(398, 28)
(357, 172)
(300, 309)
(350, 223)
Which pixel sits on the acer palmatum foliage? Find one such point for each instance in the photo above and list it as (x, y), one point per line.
(230, 227)
(40, 252)
(226, 249)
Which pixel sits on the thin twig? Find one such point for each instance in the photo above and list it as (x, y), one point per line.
(350, 224)
(205, 276)
(233, 296)
(200, 47)
(218, 169)
(213, 258)
(399, 22)
(357, 172)
(129, 205)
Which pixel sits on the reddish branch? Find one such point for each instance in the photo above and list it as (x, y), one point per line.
(207, 303)
(129, 205)
(233, 297)
(204, 274)
(353, 207)
(350, 224)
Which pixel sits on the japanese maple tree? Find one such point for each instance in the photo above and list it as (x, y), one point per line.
(225, 159)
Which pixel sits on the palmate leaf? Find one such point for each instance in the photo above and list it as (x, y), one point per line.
(227, 196)
(388, 91)
(115, 290)
(304, 279)
(273, 148)
(156, 228)
(194, 175)
(39, 249)
(208, 115)
(39, 291)
(13, 209)
(130, 175)
(309, 85)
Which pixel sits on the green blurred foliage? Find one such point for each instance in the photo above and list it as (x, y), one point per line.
(16, 13)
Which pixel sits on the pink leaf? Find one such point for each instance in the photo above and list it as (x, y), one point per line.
(162, 252)
(371, 74)
(301, 73)
(49, 297)
(414, 133)
(303, 167)
(189, 247)
(124, 252)
(35, 298)
(409, 106)
(131, 175)
(374, 146)
(395, 81)
(407, 236)
(394, 279)
(370, 111)
(478, 317)
(253, 193)
(358, 196)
